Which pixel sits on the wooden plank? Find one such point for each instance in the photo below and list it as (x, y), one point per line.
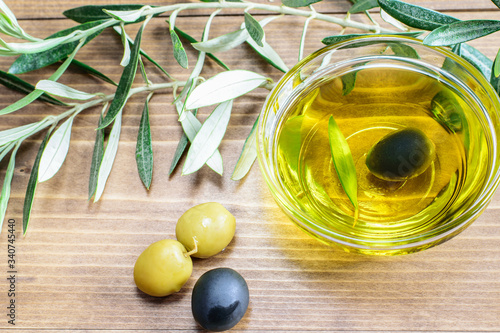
(75, 264)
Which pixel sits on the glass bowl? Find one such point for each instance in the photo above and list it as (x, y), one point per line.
(374, 86)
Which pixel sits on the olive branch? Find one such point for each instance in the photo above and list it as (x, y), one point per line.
(200, 141)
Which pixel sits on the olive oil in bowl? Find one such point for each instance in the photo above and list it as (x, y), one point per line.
(370, 100)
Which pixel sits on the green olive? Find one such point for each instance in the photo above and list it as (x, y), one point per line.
(163, 268)
(401, 155)
(210, 225)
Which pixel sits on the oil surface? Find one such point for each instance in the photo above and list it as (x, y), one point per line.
(380, 101)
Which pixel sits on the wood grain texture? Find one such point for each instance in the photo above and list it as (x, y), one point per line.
(75, 265)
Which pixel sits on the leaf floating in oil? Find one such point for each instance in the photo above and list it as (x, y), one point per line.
(344, 164)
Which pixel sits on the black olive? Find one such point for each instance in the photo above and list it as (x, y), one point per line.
(401, 155)
(220, 299)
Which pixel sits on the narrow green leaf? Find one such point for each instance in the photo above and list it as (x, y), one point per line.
(37, 93)
(192, 41)
(363, 5)
(55, 152)
(496, 2)
(19, 85)
(144, 148)
(16, 133)
(208, 138)
(496, 65)
(254, 29)
(181, 148)
(343, 161)
(460, 32)
(224, 42)
(298, 3)
(179, 51)
(191, 126)
(92, 71)
(32, 184)
(475, 57)
(348, 82)
(109, 156)
(392, 21)
(248, 154)
(97, 155)
(266, 51)
(5, 149)
(128, 16)
(403, 50)
(126, 46)
(126, 80)
(415, 16)
(224, 86)
(143, 53)
(62, 90)
(340, 38)
(91, 13)
(32, 61)
(5, 194)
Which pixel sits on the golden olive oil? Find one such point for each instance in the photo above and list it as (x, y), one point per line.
(368, 105)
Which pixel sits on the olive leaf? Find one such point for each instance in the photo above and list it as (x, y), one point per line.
(128, 16)
(126, 80)
(254, 29)
(403, 50)
(55, 152)
(461, 31)
(344, 163)
(496, 65)
(97, 156)
(248, 154)
(91, 13)
(32, 61)
(193, 41)
(92, 71)
(144, 148)
(126, 46)
(191, 126)
(474, 57)
(208, 138)
(5, 194)
(17, 84)
(363, 5)
(108, 157)
(298, 3)
(62, 90)
(391, 20)
(181, 145)
(179, 51)
(266, 52)
(496, 2)
(142, 52)
(16, 133)
(340, 38)
(415, 16)
(28, 99)
(223, 43)
(10, 26)
(348, 82)
(224, 86)
(32, 184)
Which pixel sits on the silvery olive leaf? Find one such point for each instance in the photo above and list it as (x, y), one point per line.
(127, 15)
(223, 43)
(248, 154)
(224, 86)
(62, 90)
(55, 152)
(208, 138)
(5, 193)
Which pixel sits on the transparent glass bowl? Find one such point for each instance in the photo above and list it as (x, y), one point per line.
(480, 132)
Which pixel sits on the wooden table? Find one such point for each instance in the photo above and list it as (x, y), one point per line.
(74, 268)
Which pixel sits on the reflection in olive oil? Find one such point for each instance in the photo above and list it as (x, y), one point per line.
(382, 101)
